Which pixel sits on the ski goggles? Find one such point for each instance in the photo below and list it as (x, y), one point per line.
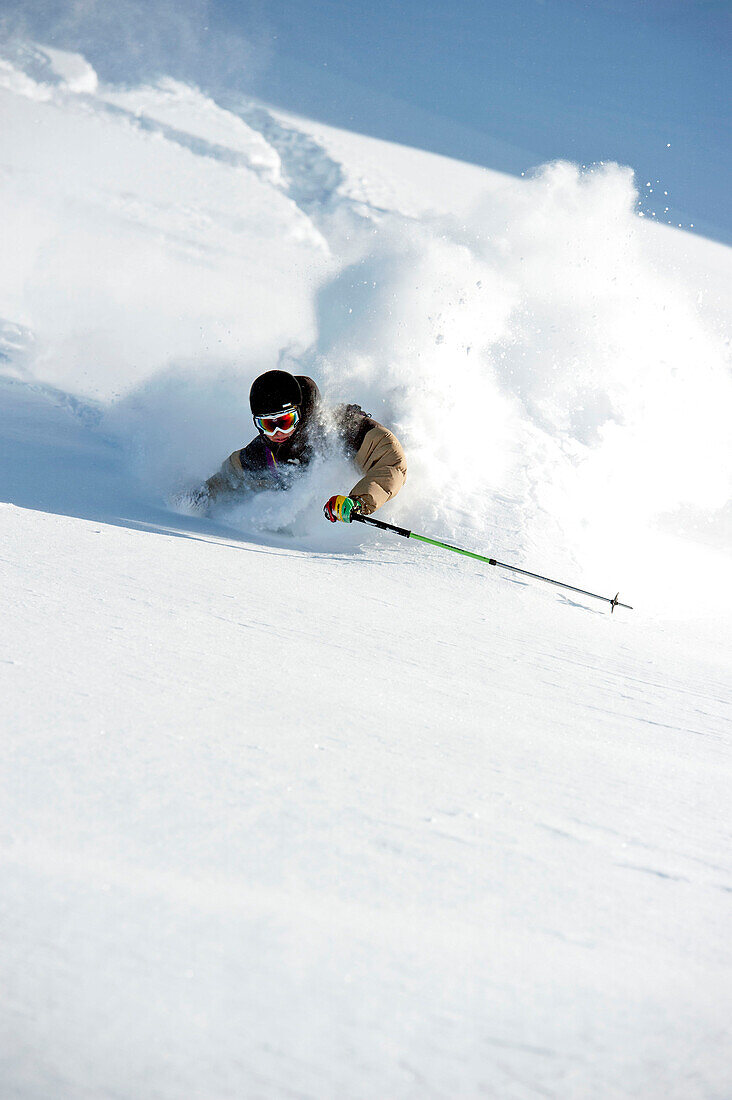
(285, 422)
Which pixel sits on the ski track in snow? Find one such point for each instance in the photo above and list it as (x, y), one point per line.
(328, 815)
(313, 179)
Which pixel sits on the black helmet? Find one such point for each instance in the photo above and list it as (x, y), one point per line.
(273, 392)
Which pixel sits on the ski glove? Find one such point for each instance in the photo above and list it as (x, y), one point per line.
(341, 508)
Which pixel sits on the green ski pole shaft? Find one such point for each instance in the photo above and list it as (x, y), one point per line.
(480, 557)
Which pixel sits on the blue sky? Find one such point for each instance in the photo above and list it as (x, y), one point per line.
(503, 83)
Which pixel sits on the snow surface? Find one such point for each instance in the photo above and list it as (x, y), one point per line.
(293, 810)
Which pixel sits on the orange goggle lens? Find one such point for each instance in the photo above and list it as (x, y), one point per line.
(281, 422)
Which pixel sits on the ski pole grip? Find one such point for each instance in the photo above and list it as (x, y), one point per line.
(355, 516)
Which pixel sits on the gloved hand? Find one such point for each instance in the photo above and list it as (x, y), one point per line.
(340, 508)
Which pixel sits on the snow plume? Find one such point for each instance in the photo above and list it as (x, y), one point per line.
(406, 331)
(625, 383)
(607, 351)
(541, 364)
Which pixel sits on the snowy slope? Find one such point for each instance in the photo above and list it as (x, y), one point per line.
(291, 810)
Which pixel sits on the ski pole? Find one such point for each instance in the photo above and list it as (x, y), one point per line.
(489, 561)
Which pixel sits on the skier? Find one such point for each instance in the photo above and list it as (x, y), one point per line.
(293, 426)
